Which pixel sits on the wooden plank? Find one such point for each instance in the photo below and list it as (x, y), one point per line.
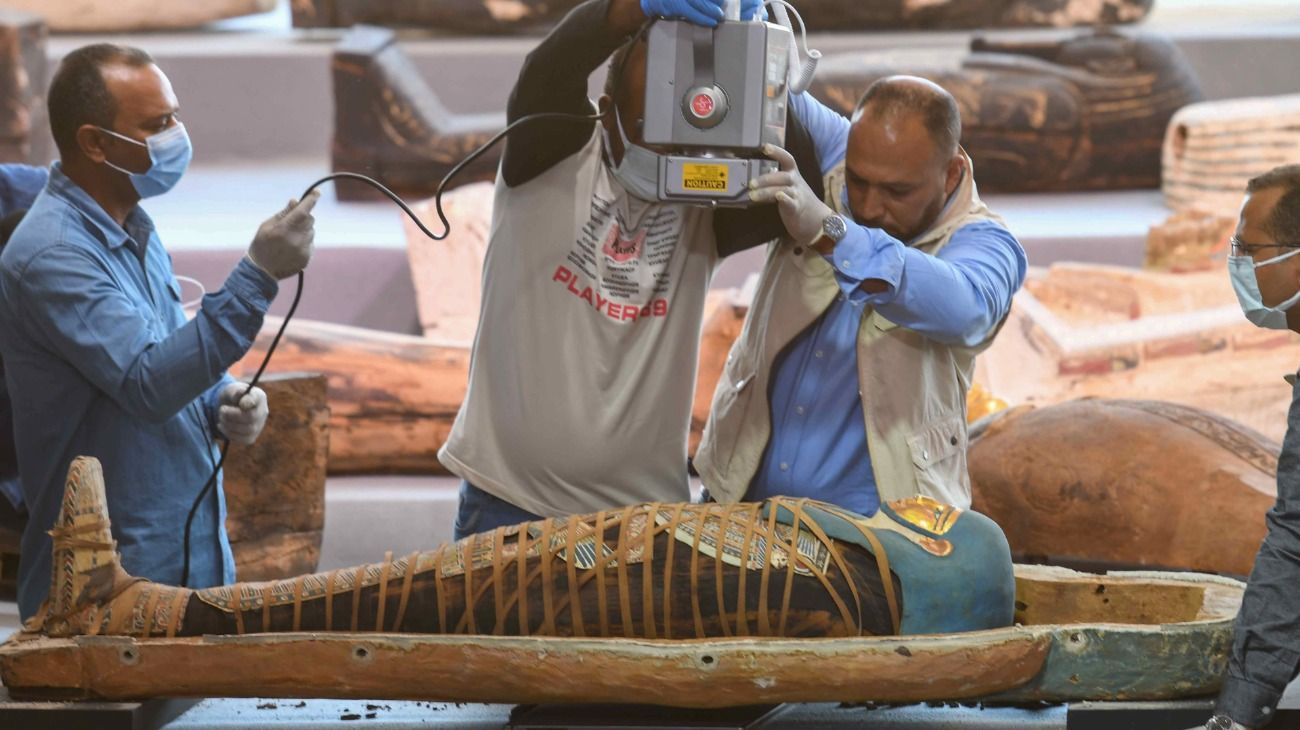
(1099, 659)
(717, 673)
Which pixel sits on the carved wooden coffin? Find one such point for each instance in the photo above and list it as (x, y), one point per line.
(1078, 330)
(393, 398)
(98, 16)
(1073, 630)
(388, 123)
(508, 16)
(1189, 241)
(1125, 483)
(1086, 113)
(1213, 148)
(22, 86)
(275, 488)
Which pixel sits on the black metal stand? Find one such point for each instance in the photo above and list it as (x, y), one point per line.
(1168, 715)
(148, 715)
(635, 717)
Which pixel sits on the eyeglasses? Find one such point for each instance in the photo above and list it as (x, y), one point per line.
(1239, 248)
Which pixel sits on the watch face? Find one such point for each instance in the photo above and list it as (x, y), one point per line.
(1219, 722)
(834, 227)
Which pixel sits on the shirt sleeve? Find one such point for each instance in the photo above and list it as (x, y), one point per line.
(212, 402)
(828, 128)
(1266, 641)
(19, 185)
(957, 297)
(84, 316)
(554, 80)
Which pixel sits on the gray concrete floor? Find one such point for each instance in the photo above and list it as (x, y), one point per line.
(221, 714)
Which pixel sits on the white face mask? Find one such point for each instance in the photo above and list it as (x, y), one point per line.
(1246, 285)
(638, 172)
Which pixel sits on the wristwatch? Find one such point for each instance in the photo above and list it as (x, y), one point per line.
(1223, 722)
(833, 230)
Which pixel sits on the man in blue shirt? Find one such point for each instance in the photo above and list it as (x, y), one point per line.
(19, 185)
(868, 317)
(99, 358)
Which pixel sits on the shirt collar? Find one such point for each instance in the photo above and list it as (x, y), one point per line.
(113, 235)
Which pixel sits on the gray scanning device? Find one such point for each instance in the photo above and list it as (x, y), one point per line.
(713, 98)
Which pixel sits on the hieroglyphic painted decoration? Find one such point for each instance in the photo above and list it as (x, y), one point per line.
(1247, 444)
(814, 552)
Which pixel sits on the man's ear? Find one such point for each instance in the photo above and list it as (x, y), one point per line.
(91, 142)
(956, 169)
(605, 106)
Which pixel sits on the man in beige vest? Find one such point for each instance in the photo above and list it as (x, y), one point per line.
(849, 380)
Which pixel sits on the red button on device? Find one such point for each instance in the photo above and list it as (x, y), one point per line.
(702, 105)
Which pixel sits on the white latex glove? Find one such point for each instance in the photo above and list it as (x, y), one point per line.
(242, 419)
(285, 241)
(802, 211)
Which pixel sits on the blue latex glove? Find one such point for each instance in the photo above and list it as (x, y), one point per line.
(700, 12)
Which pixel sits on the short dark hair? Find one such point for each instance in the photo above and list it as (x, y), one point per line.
(78, 94)
(618, 62)
(937, 108)
(1284, 222)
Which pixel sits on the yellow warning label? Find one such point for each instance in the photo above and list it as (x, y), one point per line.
(707, 177)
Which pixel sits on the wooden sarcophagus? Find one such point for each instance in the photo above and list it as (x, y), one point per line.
(1086, 113)
(1111, 484)
(389, 124)
(686, 605)
(1212, 149)
(23, 71)
(109, 16)
(499, 16)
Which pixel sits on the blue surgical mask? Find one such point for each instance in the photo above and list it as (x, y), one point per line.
(1246, 284)
(170, 153)
(638, 172)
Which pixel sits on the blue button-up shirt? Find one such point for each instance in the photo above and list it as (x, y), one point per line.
(100, 361)
(19, 186)
(818, 446)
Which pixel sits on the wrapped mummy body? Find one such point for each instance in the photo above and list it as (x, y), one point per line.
(779, 568)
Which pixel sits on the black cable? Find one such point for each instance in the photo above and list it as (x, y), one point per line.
(446, 225)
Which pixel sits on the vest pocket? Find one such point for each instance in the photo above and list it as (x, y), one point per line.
(728, 417)
(934, 449)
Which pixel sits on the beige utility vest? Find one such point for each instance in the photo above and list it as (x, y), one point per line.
(913, 388)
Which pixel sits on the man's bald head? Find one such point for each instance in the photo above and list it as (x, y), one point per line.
(930, 103)
(903, 158)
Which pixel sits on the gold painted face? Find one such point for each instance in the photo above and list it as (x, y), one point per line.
(926, 513)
